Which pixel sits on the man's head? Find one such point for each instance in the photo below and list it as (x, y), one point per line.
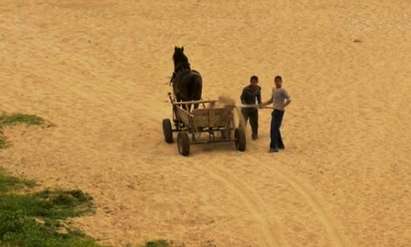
(278, 80)
(254, 80)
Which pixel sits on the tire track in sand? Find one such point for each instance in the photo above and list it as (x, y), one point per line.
(254, 203)
(312, 198)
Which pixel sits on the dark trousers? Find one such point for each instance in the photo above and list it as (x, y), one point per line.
(276, 120)
(252, 115)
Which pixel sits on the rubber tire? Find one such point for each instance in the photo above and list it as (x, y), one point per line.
(239, 139)
(183, 143)
(167, 130)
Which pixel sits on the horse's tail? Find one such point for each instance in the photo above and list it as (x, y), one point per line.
(196, 85)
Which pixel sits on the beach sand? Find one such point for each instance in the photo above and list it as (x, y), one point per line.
(99, 71)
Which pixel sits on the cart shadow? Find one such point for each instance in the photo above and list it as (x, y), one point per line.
(213, 148)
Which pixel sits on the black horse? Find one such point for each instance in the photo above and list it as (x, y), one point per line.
(187, 83)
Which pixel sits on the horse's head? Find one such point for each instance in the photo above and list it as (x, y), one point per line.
(180, 59)
(178, 53)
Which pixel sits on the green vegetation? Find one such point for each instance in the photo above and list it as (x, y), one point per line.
(11, 183)
(3, 143)
(36, 219)
(17, 118)
(157, 243)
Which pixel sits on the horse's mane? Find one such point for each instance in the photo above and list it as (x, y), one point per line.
(180, 60)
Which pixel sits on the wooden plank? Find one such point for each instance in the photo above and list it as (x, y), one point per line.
(212, 117)
(256, 106)
(193, 102)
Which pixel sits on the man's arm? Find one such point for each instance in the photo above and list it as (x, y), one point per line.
(287, 99)
(259, 96)
(242, 96)
(270, 101)
(287, 102)
(267, 102)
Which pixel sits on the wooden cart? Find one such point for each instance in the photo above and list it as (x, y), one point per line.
(207, 123)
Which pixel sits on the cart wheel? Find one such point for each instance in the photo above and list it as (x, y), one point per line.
(183, 143)
(240, 141)
(167, 131)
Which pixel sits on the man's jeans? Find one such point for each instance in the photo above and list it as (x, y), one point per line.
(276, 120)
(252, 115)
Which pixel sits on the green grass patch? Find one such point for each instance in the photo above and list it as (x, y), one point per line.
(157, 243)
(3, 143)
(37, 219)
(16, 118)
(8, 183)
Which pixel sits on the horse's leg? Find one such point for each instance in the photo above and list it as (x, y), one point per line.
(197, 87)
(184, 106)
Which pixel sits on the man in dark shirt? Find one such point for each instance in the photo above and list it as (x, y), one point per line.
(251, 96)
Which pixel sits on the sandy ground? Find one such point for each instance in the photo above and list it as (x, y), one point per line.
(99, 70)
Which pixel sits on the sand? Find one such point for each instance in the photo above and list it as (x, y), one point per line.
(99, 71)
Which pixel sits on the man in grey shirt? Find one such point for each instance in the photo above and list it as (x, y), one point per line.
(280, 100)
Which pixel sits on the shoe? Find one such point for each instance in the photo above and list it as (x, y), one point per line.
(254, 137)
(273, 150)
